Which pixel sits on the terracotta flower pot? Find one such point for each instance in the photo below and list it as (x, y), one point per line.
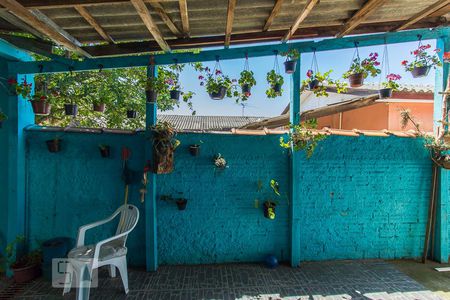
(289, 66)
(100, 107)
(175, 95)
(385, 93)
(131, 114)
(54, 145)
(194, 150)
(71, 109)
(27, 273)
(246, 88)
(40, 107)
(181, 203)
(151, 96)
(418, 72)
(220, 94)
(356, 80)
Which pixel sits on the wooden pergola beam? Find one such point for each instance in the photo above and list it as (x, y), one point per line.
(275, 10)
(184, 17)
(301, 17)
(26, 16)
(91, 20)
(46, 4)
(230, 18)
(368, 8)
(12, 19)
(166, 18)
(423, 14)
(143, 12)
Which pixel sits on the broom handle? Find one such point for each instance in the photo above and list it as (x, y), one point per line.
(126, 194)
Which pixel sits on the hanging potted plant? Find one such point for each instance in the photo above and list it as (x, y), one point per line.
(423, 61)
(132, 110)
(318, 83)
(3, 118)
(153, 86)
(54, 145)
(99, 106)
(246, 81)
(302, 137)
(360, 69)
(105, 150)
(217, 84)
(173, 81)
(39, 103)
(164, 145)
(25, 267)
(275, 82)
(389, 86)
(292, 57)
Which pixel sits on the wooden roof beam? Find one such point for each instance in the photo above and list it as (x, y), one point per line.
(369, 7)
(26, 16)
(301, 17)
(166, 18)
(91, 20)
(275, 10)
(184, 17)
(12, 19)
(423, 14)
(230, 18)
(46, 4)
(143, 12)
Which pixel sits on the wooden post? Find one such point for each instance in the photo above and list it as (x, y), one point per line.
(151, 232)
(295, 171)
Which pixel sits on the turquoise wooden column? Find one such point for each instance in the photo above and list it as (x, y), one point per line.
(295, 171)
(151, 232)
(441, 250)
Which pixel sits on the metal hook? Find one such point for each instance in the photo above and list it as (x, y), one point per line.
(217, 58)
(246, 55)
(175, 61)
(314, 49)
(356, 44)
(419, 37)
(71, 70)
(152, 60)
(41, 68)
(275, 52)
(100, 68)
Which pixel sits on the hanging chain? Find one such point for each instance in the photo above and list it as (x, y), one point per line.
(314, 64)
(246, 65)
(356, 54)
(419, 37)
(276, 66)
(217, 67)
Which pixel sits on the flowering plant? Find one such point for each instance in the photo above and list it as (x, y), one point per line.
(39, 96)
(391, 82)
(247, 78)
(22, 89)
(367, 66)
(220, 162)
(422, 58)
(274, 80)
(318, 82)
(214, 80)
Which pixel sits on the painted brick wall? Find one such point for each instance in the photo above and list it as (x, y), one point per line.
(361, 197)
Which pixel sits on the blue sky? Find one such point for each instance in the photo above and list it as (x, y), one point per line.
(259, 105)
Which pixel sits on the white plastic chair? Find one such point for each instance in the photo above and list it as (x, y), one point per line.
(112, 251)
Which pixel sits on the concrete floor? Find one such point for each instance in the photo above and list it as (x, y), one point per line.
(425, 274)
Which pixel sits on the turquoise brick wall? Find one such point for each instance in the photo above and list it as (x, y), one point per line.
(362, 197)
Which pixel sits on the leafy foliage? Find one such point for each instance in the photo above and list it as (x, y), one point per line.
(291, 54)
(422, 58)
(321, 82)
(214, 80)
(273, 78)
(302, 137)
(247, 78)
(367, 66)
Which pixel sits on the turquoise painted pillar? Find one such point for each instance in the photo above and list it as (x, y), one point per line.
(295, 171)
(441, 250)
(151, 233)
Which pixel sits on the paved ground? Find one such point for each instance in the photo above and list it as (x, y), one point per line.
(318, 280)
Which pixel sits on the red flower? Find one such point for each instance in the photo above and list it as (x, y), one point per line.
(416, 52)
(248, 94)
(309, 73)
(43, 98)
(12, 81)
(404, 62)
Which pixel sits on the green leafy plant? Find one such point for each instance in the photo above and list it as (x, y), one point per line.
(319, 83)
(3, 116)
(220, 162)
(11, 259)
(156, 83)
(291, 54)
(164, 135)
(247, 78)
(215, 80)
(391, 82)
(367, 66)
(422, 58)
(302, 137)
(274, 79)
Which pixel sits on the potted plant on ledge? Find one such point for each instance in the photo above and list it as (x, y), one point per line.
(318, 83)
(292, 57)
(389, 86)
(360, 69)
(164, 145)
(423, 61)
(3, 117)
(275, 82)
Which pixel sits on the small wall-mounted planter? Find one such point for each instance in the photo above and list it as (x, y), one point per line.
(100, 107)
(181, 203)
(175, 95)
(220, 94)
(40, 107)
(385, 93)
(71, 109)
(131, 114)
(194, 150)
(54, 145)
(418, 72)
(356, 80)
(151, 96)
(289, 66)
(269, 210)
(246, 88)
(105, 151)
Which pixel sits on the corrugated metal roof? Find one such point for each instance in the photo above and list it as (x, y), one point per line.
(208, 123)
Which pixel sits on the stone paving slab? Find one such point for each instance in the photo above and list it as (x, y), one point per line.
(315, 280)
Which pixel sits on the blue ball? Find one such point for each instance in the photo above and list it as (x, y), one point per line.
(271, 261)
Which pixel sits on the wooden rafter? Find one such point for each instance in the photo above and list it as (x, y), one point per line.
(143, 12)
(166, 18)
(12, 19)
(46, 4)
(230, 18)
(26, 16)
(275, 10)
(368, 8)
(301, 17)
(91, 20)
(423, 14)
(184, 17)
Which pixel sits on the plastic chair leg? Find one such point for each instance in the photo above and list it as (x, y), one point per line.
(122, 266)
(112, 271)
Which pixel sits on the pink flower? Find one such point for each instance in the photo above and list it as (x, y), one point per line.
(377, 63)
(248, 94)
(207, 69)
(309, 73)
(201, 77)
(404, 62)
(218, 72)
(393, 77)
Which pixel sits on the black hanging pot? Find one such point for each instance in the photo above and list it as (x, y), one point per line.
(175, 95)
(131, 114)
(194, 150)
(276, 87)
(246, 88)
(54, 145)
(356, 80)
(220, 94)
(105, 151)
(289, 66)
(71, 109)
(313, 84)
(181, 203)
(418, 72)
(385, 93)
(151, 96)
